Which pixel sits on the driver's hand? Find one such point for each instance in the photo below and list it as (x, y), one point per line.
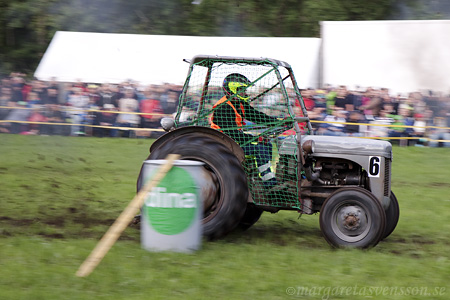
(263, 140)
(287, 122)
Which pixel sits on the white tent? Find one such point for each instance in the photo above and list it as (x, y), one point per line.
(114, 58)
(404, 56)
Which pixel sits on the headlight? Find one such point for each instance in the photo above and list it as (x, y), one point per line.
(308, 146)
(167, 124)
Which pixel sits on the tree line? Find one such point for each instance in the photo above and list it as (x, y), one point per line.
(27, 26)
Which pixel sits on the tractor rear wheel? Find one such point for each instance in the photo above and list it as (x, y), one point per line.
(392, 216)
(223, 210)
(251, 216)
(352, 217)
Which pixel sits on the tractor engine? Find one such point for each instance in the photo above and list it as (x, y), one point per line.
(336, 172)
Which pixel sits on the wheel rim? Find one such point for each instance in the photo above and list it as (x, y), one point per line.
(210, 206)
(350, 221)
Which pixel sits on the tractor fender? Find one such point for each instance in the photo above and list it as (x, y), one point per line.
(201, 131)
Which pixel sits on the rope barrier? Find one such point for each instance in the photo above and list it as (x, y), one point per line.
(428, 139)
(70, 109)
(84, 125)
(169, 115)
(381, 125)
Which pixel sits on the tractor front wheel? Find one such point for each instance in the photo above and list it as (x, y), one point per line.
(352, 217)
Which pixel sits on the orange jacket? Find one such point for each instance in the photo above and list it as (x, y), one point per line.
(238, 118)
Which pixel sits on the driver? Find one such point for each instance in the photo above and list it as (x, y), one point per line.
(229, 118)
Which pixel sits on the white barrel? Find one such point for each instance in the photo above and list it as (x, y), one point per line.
(171, 217)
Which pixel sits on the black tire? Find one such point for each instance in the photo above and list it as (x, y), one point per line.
(251, 216)
(392, 216)
(352, 217)
(228, 206)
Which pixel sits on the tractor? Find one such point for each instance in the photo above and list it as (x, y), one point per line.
(346, 180)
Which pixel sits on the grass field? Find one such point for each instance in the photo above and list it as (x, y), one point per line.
(60, 194)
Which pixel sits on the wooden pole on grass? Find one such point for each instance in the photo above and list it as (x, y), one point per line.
(124, 219)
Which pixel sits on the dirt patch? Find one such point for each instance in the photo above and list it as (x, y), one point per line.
(52, 235)
(439, 184)
(90, 221)
(423, 241)
(397, 240)
(57, 221)
(278, 234)
(415, 239)
(20, 222)
(414, 246)
(396, 252)
(66, 226)
(26, 187)
(6, 222)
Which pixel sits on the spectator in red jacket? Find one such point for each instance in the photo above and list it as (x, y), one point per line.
(151, 109)
(308, 99)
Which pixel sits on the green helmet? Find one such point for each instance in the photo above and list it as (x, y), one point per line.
(236, 84)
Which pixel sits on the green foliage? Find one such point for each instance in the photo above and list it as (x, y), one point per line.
(27, 26)
(315, 11)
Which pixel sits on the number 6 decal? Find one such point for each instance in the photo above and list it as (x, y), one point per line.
(374, 166)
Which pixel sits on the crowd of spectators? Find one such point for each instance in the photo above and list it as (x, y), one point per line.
(417, 118)
(91, 109)
(115, 108)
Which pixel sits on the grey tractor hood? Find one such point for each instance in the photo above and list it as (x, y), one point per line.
(327, 145)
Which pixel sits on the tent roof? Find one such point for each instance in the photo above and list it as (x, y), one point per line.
(114, 58)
